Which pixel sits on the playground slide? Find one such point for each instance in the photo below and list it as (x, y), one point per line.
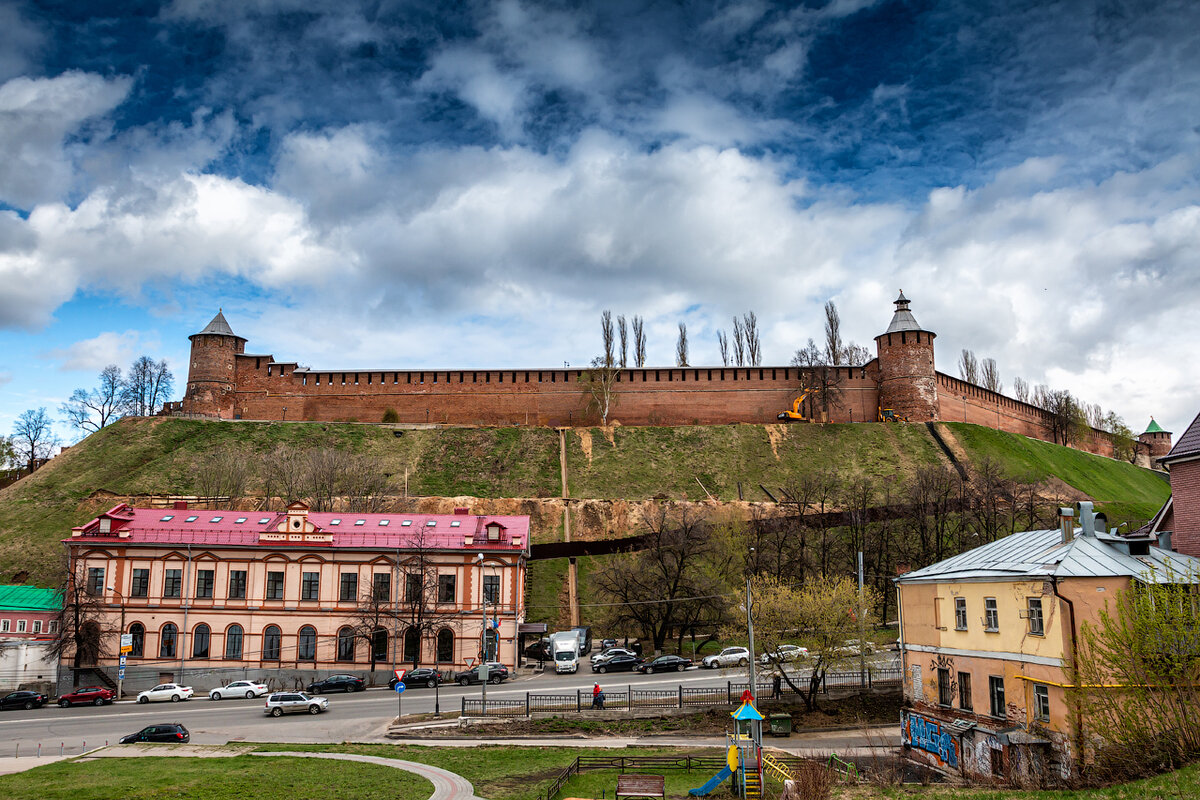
(713, 783)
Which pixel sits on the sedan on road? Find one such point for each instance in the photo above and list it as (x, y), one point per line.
(245, 689)
(618, 663)
(166, 691)
(729, 657)
(173, 732)
(665, 664)
(86, 695)
(22, 699)
(418, 677)
(282, 703)
(497, 673)
(786, 652)
(338, 683)
(608, 652)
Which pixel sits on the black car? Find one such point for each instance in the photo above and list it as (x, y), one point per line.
(539, 651)
(497, 673)
(665, 664)
(174, 732)
(418, 677)
(616, 663)
(22, 699)
(338, 683)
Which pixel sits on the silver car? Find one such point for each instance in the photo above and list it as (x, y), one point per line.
(281, 703)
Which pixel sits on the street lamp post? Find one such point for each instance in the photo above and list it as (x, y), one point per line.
(120, 655)
(482, 634)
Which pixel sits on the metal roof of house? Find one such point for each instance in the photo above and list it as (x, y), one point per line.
(1188, 445)
(219, 327)
(903, 320)
(1042, 554)
(29, 598)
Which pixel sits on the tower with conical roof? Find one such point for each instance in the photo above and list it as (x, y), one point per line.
(1156, 439)
(212, 371)
(907, 379)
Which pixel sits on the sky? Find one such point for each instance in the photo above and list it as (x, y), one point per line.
(469, 184)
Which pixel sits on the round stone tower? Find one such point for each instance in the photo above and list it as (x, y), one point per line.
(1157, 439)
(211, 372)
(907, 381)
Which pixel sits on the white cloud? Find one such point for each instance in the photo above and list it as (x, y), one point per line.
(36, 116)
(20, 40)
(93, 355)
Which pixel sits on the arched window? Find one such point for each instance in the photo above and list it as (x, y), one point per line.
(166, 640)
(138, 631)
(346, 645)
(445, 646)
(233, 642)
(307, 646)
(379, 645)
(412, 645)
(201, 638)
(270, 645)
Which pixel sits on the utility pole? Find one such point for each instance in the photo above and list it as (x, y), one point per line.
(755, 726)
(862, 613)
(483, 665)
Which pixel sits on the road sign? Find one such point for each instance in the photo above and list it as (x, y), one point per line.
(126, 643)
(122, 660)
(470, 661)
(400, 674)
(121, 673)
(400, 687)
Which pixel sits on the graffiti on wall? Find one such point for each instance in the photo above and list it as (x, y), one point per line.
(930, 736)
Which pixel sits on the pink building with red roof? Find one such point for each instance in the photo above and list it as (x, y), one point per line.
(204, 590)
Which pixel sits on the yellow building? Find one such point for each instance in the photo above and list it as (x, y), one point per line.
(987, 640)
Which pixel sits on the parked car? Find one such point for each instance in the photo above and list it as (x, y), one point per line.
(422, 676)
(174, 732)
(785, 652)
(166, 691)
(282, 703)
(22, 699)
(609, 652)
(86, 695)
(729, 657)
(497, 673)
(622, 662)
(338, 683)
(664, 664)
(852, 647)
(607, 643)
(245, 689)
(539, 651)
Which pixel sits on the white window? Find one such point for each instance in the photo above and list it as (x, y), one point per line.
(53, 626)
(5, 625)
(37, 626)
(239, 520)
(455, 524)
(21, 626)
(191, 519)
(216, 519)
(960, 613)
(384, 522)
(1037, 625)
(406, 523)
(335, 522)
(1041, 703)
(167, 518)
(360, 522)
(991, 614)
(431, 524)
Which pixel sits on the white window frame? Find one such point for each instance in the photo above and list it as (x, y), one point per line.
(991, 615)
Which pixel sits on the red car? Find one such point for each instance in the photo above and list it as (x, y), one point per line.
(96, 695)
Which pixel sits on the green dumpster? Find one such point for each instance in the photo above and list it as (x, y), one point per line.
(781, 724)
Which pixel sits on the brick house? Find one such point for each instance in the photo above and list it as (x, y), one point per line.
(28, 612)
(1178, 521)
(987, 640)
(209, 594)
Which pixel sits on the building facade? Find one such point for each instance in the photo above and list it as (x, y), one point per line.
(226, 382)
(988, 638)
(28, 612)
(207, 593)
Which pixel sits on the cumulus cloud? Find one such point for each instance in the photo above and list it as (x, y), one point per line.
(96, 353)
(36, 117)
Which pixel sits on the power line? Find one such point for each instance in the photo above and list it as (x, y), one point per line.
(643, 602)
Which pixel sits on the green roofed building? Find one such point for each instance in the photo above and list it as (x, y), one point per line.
(28, 612)
(1157, 439)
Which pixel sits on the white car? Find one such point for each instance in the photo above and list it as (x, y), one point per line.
(785, 652)
(247, 689)
(165, 691)
(729, 657)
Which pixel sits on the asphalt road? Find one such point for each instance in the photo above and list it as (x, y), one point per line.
(362, 716)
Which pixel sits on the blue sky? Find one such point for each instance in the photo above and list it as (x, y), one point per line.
(393, 184)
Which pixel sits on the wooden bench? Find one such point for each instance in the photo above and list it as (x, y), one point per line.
(640, 786)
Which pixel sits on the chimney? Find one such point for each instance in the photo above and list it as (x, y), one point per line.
(1087, 520)
(179, 505)
(1066, 523)
(1164, 540)
(459, 511)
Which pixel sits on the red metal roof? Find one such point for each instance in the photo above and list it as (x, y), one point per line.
(171, 526)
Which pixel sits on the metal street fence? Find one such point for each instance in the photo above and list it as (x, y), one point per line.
(631, 699)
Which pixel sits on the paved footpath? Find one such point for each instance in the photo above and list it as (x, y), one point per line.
(446, 784)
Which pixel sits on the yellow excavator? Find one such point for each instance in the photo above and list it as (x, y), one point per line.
(795, 415)
(888, 415)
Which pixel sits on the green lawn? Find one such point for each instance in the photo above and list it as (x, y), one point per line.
(214, 779)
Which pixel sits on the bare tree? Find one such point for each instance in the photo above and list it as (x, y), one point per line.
(147, 386)
(363, 485)
(723, 344)
(739, 343)
(221, 475)
(681, 347)
(90, 410)
(1067, 420)
(33, 437)
(607, 339)
(374, 615)
(623, 333)
(285, 475)
(819, 377)
(968, 367)
(639, 342)
(856, 355)
(80, 622)
(834, 348)
(753, 345)
(326, 468)
(989, 375)
(1021, 389)
(600, 383)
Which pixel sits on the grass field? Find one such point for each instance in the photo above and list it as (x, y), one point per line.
(234, 778)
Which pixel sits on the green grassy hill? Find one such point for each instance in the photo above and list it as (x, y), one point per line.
(159, 457)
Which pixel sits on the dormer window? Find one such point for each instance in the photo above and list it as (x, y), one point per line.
(264, 520)
(167, 518)
(360, 522)
(384, 522)
(191, 519)
(431, 524)
(493, 532)
(455, 523)
(406, 523)
(239, 520)
(216, 519)
(335, 522)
